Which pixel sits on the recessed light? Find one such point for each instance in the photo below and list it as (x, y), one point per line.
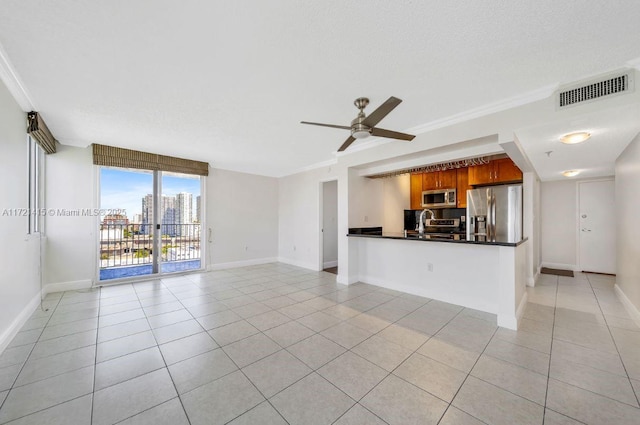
(573, 138)
(570, 173)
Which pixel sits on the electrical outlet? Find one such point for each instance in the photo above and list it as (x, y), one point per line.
(246, 248)
(366, 218)
(294, 247)
(430, 267)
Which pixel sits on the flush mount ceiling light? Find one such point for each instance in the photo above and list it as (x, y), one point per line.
(573, 138)
(570, 173)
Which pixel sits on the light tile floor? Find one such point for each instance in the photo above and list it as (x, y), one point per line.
(276, 344)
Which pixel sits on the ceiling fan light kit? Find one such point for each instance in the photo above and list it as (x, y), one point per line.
(364, 126)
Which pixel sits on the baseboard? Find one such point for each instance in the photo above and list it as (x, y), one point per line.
(531, 281)
(66, 286)
(345, 280)
(328, 264)
(18, 322)
(241, 263)
(560, 266)
(297, 263)
(522, 306)
(628, 305)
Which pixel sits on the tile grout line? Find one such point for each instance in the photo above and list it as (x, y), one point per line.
(166, 366)
(401, 363)
(312, 370)
(95, 358)
(553, 329)
(349, 350)
(318, 333)
(465, 380)
(615, 344)
(28, 356)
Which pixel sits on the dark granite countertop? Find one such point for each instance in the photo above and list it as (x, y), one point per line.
(425, 238)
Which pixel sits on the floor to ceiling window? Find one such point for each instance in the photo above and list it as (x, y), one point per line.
(180, 204)
(150, 223)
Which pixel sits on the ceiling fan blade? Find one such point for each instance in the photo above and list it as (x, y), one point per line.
(346, 143)
(383, 110)
(381, 132)
(344, 127)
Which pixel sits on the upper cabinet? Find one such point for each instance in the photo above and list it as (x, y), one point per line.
(439, 180)
(416, 191)
(462, 179)
(506, 171)
(461, 188)
(497, 171)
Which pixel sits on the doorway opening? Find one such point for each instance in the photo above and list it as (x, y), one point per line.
(329, 237)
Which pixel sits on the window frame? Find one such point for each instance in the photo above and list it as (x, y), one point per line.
(36, 207)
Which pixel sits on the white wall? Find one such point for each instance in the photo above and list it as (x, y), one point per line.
(558, 224)
(330, 224)
(242, 212)
(299, 217)
(627, 230)
(19, 254)
(71, 240)
(366, 201)
(531, 224)
(396, 197)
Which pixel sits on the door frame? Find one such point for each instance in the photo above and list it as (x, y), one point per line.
(321, 218)
(205, 239)
(577, 224)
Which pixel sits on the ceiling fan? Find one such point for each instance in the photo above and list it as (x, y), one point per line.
(364, 126)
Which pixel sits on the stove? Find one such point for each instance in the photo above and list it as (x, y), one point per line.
(443, 222)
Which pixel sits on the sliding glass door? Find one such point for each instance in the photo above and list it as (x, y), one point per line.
(150, 223)
(180, 222)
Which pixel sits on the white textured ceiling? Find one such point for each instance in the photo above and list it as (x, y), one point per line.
(611, 131)
(228, 81)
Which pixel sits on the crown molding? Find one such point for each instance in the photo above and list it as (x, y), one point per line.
(13, 82)
(488, 109)
(315, 166)
(484, 110)
(634, 63)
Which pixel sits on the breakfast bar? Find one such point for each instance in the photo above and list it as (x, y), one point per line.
(486, 276)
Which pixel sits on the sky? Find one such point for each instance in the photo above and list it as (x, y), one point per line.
(124, 189)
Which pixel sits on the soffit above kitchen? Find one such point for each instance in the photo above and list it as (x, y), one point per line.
(229, 82)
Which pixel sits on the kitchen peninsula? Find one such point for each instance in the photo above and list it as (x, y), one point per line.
(486, 274)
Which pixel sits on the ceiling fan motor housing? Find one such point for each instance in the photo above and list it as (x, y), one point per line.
(359, 130)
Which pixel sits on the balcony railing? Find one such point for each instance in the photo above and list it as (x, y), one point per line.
(132, 244)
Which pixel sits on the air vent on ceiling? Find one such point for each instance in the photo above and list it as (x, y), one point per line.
(617, 84)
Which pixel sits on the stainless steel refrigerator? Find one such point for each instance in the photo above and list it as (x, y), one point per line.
(494, 214)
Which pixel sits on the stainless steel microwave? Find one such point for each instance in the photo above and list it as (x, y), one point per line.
(439, 198)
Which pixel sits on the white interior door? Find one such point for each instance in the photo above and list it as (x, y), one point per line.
(596, 221)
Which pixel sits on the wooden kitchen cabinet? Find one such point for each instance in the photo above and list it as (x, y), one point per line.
(430, 181)
(506, 171)
(447, 179)
(480, 174)
(439, 180)
(497, 171)
(416, 191)
(462, 186)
